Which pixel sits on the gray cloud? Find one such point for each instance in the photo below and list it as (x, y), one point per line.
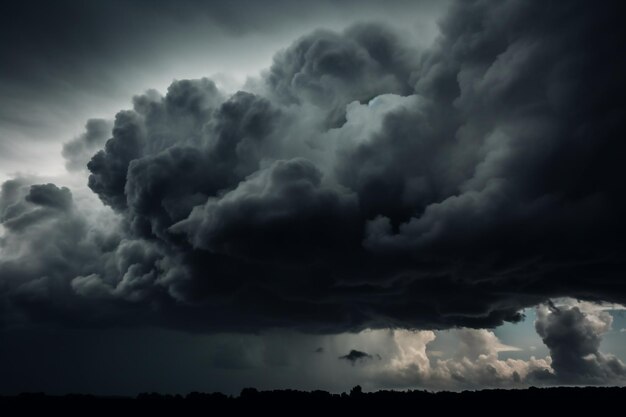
(49, 195)
(355, 356)
(282, 214)
(359, 183)
(46, 239)
(573, 336)
(330, 70)
(109, 166)
(79, 151)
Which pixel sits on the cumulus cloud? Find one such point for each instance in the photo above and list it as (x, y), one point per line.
(330, 69)
(47, 240)
(283, 212)
(474, 363)
(359, 183)
(573, 334)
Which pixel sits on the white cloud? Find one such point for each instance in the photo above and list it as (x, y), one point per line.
(408, 362)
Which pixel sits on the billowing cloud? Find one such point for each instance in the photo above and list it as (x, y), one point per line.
(358, 183)
(573, 335)
(283, 213)
(330, 70)
(474, 363)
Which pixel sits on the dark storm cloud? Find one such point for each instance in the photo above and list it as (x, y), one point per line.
(282, 213)
(43, 243)
(360, 183)
(356, 356)
(109, 166)
(330, 70)
(166, 132)
(49, 195)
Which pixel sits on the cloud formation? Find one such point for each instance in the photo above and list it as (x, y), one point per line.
(79, 151)
(474, 363)
(359, 183)
(573, 335)
(355, 356)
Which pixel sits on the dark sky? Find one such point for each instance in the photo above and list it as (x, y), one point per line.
(67, 61)
(201, 193)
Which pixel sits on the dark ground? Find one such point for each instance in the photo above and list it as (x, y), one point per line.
(289, 402)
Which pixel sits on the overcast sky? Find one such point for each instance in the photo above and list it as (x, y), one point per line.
(207, 195)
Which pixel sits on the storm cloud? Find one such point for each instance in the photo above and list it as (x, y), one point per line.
(573, 335)
(360, 182)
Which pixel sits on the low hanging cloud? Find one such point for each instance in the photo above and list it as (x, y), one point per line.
(358, 183)
(355, 356)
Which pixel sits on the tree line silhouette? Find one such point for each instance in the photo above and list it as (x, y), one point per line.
(297, 402)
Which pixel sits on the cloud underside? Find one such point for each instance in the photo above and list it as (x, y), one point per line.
(358, 183)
